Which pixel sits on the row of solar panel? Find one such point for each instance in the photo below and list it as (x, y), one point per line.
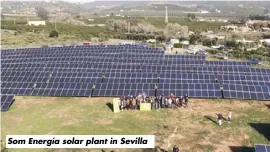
(133, 66)
(262, 148)
(194, 90)
(66, 80)
(6, 101)
(235, 76)
(6, 75)
(76, 51)
(75, 48)
(17, 91)
(120, 61)
(180, 70)
(105, 55)
(131, 80)
(246, 92)
(62, 92)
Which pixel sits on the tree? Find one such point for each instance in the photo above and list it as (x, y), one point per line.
(2, 17)
(207, 42)
(191, 16)
(265, 44)
(231, 43)
(102, 37)
(177, 45)
(195, 38)
(161, 38)
(182, 39)
(175, 31)
(53, 33)
(112, 14)
(42, 13)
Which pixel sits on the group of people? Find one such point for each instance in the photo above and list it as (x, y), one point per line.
(133, 102)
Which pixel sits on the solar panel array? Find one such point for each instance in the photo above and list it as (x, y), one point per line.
(262, 148)
(114, 70)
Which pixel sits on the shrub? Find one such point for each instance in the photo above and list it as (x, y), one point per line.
(177, 45)
(53, 33)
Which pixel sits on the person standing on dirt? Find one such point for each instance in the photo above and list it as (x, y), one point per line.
(220, 119)
(175, 148)
(230, 116)
(186, 99)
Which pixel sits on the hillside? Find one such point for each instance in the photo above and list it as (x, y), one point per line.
(214, 8)
(29, 7)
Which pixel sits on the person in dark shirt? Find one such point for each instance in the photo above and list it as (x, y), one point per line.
(186, 99)
(220, 119)
(175, 148)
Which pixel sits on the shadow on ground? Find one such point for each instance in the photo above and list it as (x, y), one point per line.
(242, 149)
(268, 106)
(211, 119)
(262, 128)
(110, 105)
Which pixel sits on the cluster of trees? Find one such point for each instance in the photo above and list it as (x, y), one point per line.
(131, 26)
(258, 17)
(42, 13)
(140, 30)
(209, 42)
(175, 31)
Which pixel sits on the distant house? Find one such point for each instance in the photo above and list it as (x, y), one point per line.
(267, 41)
(213, 36)
(91, 19)
(36, 23)
(151, 41)
(173, 41)
(98, 25)
(185, 44)
(265, 29)
(229, 28)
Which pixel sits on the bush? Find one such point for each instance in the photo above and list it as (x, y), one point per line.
(207, 42)
(177, 45)
(212, 51)
(53, 33)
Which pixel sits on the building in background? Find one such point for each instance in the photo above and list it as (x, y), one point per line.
(36, 23)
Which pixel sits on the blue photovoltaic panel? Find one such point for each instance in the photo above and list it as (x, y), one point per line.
(262, 148)
(268, 148)
(6, 101)
(118, 89)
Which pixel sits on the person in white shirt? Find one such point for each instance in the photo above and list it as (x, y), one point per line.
(220, 119)
(230, 116)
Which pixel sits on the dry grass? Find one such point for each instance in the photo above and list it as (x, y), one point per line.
(192, 129)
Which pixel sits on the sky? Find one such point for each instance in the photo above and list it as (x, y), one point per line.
(84, 1)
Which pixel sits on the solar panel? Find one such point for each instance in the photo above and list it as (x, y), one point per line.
(262, 148)
(193, 90)
(118, 89)
(6, 101)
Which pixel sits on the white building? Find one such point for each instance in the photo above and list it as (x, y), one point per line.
(91, 19)
(173, 41)
(265, 40)
(151, 41)
(36, 23)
